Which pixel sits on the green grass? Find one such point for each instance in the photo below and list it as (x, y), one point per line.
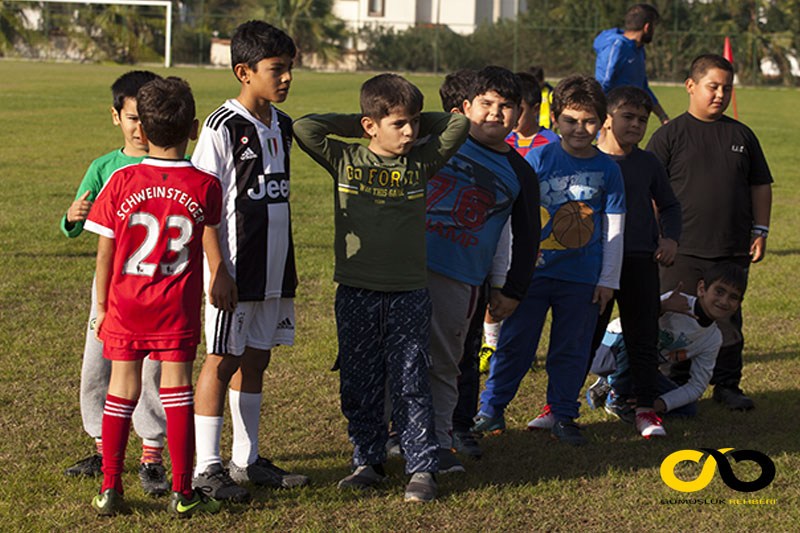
(55, 120)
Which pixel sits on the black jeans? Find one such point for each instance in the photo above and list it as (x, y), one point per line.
(639, 309)
(689, 270)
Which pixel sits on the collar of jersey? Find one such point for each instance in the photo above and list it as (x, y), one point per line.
(242, 110)
(157, 162)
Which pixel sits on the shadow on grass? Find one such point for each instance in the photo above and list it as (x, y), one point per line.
(791, 351)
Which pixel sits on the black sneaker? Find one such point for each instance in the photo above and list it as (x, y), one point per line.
(464, 442)
(448, 462)
(363, 477)
(621, 408)
(733, 398)
(393, 448)
(597, 393)
(568, 431)
(216, 483)
(91, 466)
(263, 472)
(154, 479)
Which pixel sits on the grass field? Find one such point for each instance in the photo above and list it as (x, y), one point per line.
(55, 120)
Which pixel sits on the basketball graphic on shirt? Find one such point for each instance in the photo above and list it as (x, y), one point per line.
(573, 225)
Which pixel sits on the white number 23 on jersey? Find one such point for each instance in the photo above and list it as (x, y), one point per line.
(136, 264)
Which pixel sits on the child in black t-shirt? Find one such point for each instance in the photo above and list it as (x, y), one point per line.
(719, 174)
(645, 248)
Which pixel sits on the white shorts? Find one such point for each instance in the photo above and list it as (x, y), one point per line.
(261, 325)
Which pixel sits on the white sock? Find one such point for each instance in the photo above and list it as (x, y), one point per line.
(245, 416)
(491, 332)
(207, 432)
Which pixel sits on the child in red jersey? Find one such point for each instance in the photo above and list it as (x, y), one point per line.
(151, 218)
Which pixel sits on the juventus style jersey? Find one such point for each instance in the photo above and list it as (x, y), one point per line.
(251, 161)
(156, 212)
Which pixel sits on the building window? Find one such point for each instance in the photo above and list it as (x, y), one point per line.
(375, 8)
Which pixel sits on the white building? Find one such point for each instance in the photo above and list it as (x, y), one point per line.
(461, 16)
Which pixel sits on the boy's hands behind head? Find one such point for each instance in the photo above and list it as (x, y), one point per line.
(666, 252)
(677, 303)
(79, 209)
(500, 305)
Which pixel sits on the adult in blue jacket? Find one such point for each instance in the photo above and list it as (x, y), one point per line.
(621, 57)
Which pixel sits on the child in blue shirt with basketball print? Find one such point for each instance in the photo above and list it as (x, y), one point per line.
(582, 207)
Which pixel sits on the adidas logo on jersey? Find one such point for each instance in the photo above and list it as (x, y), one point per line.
(248, 154)
(285, 324)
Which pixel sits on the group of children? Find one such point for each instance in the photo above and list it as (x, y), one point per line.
(440, 217)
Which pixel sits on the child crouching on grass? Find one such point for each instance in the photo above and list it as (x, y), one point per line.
(151, 218)
(383, 309)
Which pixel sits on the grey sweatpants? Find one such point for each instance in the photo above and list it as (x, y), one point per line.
(149, 420)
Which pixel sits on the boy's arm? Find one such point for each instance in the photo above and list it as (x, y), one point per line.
(702, 367)
(669, 214)
(221, 287)
(311, 132)
(761, 198)
(447, 132)
(73, 219)
(613, 227)
(105, 256)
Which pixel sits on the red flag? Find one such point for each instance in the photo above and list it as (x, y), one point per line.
(727, 53)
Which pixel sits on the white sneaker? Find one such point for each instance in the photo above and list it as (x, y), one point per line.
(545, 420)
(649, 425)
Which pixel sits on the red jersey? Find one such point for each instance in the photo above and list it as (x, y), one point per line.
(155, 212)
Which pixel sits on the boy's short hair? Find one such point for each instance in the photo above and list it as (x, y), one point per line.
(455, 89)
(728, 273)
(497, 79)
(255, 40)
(382, 94)
(127, 85)
(537, 72)
(630, 96)
(166, 111)
(579, 91)
(530, 92)
(639, 15)
(705, 62)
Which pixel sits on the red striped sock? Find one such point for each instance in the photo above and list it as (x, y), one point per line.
(116, 427)
(178, 405)
(151, 454)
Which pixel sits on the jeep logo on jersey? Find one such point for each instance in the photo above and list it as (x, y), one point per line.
(274, 187)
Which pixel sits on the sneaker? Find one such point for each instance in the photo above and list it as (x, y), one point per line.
(620, 407)
(448, 462)
(483, 423)
(363, 477)
(464, 442)
(483, 358)
(596, 394)
(263, 472)
(91, 466)
(568, 431)
(109, 502)
(183, 507)
(545, 420)
(216, 482)
(154, 479)
(649, 425)
(421, 488)
(733, 398)
(393, 448)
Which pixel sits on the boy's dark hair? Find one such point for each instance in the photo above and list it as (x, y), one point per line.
(579, 91)
(630, 96)
(455, 89)
(703, 63)
(537, 72)
(497, 79)
(639, 15)
(530, 92)
(728, 273)
(255, 40)
(129, 84)
(166, 111)
(382, 94)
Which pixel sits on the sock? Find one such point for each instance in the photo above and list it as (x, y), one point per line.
(116, 427)
(98, 443)
(491, 332)
(151, 454)
(245, 416)
(208, 431)
(178, 405)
